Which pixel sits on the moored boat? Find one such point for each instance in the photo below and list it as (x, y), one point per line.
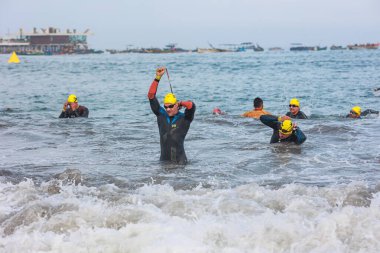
(333, 47)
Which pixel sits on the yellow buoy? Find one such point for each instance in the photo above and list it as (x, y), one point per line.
(14, 58)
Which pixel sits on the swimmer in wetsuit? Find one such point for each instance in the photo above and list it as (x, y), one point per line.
(173, 125)
(356, 112)
(284, 130)
(71, 109)
(294, 110)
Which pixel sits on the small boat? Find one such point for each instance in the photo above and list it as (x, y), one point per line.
(321, 48)
(275, 49)
(211, 50)
(302, 48)
(333, 47)
(257, 48)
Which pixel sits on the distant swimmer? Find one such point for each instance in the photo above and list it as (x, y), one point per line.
(356, 112)
(258, 110)
(217, 111)
(71, 109)
(376, 92)
(284, 130)
(294, 110)
(173, 125)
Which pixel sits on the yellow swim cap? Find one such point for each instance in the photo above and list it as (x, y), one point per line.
(72, 99)
(286, 127)
(294, 101)
(170, 99)
(357, 110)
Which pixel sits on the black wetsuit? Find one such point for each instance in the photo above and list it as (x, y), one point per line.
(297, 136)
(365, 113)
(81, 111)
(299, 115)
(173, 131)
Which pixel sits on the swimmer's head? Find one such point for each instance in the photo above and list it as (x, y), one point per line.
(170, 104)
(294, 106)
(286, 128)
(294, 102)
(72, 99)
(355, 112)
(216, 111)
(170, 99)
(258, 103)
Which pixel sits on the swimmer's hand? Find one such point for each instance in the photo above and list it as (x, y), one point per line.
(295, 126)
(160, 71)
(282, 118)
(65, 106)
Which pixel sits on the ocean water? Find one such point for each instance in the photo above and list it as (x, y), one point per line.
(96, 184)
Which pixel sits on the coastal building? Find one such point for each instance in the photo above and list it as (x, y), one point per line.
(48, 41)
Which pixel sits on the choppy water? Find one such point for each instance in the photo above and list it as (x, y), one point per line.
(96, 185)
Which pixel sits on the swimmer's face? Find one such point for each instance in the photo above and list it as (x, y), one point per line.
(171, 109)
(73, 106)
(353, 115)
(283, 136)
(294, 109)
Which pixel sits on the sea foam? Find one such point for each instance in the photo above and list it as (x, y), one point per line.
(157, 218)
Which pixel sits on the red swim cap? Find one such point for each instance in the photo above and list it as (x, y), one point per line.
(216, 111)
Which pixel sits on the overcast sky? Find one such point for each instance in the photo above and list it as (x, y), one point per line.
(194, 23)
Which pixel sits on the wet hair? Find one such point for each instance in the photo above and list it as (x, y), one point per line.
(257, 102)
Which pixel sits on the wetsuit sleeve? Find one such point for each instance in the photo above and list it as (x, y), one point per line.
(270, 120)
(190, 110)
(154, 104)
(63, 115)
(153, 89)
(302, 115)
(86, 112)
(82, 111)
(288, 114)
(300, 136)
(369, 111)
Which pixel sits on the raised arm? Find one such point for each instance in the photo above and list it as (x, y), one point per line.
(153, 87)
(190, 109)
(270, 120)
(154, 104)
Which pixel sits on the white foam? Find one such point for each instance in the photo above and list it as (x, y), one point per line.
(157, 218)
